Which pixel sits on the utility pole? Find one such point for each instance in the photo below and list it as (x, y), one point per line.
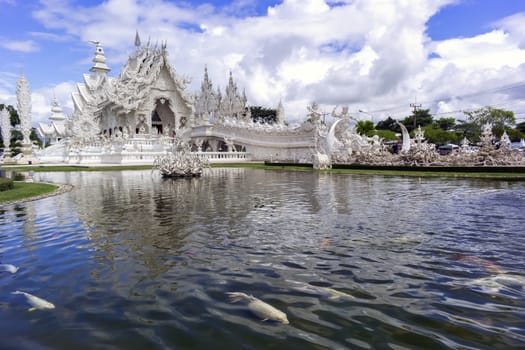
(415, 105)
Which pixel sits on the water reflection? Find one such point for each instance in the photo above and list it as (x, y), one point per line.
(360, 262)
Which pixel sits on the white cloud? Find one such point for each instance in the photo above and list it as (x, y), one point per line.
(515, 25)
(42, 99)
(20, 45)
(7, 88)
(372, 53)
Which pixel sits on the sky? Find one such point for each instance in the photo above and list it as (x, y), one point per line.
(375, 56)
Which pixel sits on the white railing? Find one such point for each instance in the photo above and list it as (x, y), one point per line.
(149, 157)
(223, 157)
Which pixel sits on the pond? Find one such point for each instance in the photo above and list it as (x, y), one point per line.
(132, 261)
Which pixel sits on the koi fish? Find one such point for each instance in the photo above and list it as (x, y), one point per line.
(8, 268)
(36, 302)
(261, 309)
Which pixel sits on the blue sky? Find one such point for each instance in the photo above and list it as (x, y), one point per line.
(372, 55)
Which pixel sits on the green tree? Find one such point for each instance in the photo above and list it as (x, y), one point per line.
(387, 135)
(16, 135)
(470, 130)
(446, 123)
(500, 119)
(263, 115)
(438, 136)
(388, 124)
(422, 118)
(515, 135)
(365, 127)
(521, 127)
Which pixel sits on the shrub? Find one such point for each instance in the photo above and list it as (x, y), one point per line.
(18, 176)
(6, 184)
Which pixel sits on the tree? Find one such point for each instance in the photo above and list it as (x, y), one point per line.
(515, 135)
(446, 123)
(521, 127)
(388, 124)
(470, 130)
(263, 115)
(422, 116)
(438, 136)
(500, 119)
(365, 127)
(16, 135)
(387, 135)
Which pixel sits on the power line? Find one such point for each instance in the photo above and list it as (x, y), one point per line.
(477, 93)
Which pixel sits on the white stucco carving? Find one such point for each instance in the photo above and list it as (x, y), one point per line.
(5, 126)
(23, 98)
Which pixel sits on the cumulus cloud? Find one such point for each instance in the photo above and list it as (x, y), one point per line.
(42, 100)
(19, 45)
(359, 53)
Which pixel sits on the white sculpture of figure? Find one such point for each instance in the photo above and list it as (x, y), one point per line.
(229, 144)
(23, 97)
(487, 137)
(314, 114)
(344, 115)
(5, 125)
(419, 137)
(505, 140)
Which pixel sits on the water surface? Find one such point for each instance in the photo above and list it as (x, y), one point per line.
(132, 261)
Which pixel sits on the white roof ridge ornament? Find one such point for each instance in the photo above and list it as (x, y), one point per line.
(100, 66)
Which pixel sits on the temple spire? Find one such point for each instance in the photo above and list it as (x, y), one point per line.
(57, 115)
(100, 66)
(137, 39)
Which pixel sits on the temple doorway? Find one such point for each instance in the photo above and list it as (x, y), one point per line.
(162, 117)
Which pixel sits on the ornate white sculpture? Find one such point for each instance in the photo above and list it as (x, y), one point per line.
(23, 97)
(181, 162)
(56, 129)
(280, 116)
(5, 125)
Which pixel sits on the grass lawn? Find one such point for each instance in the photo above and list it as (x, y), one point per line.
(25, 190)
(428, 172)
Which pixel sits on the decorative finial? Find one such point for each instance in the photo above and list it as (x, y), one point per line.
(137, 39)
(100, 66)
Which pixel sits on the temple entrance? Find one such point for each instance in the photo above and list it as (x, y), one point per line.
(162, 118)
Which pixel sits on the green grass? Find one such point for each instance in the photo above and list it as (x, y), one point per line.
(78, 168)
(288, 167)
(23, 190)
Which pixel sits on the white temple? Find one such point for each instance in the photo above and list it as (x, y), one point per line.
(138, 116)
(53, 132)
(134, 117)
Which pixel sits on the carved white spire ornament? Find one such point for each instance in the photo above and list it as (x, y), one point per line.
(57, 115)
(100, 66)
(137, 39)
(280, 113)
(5, 125)
(23, 97)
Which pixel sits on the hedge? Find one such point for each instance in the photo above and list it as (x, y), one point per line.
(6, 184)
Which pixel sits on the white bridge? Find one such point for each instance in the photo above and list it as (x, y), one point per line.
(216, 143)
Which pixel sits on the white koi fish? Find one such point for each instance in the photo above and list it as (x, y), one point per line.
(8, 268)
(36, 302)
(261, 309)
(336, 294)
